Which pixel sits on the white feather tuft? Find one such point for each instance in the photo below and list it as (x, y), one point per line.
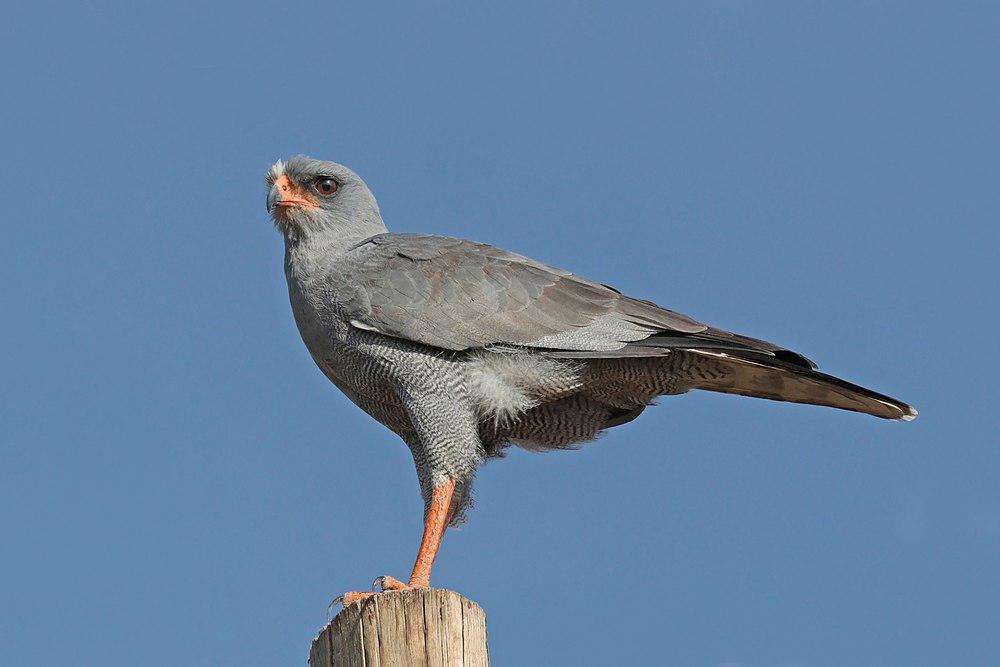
(275, 172)
(504, 385)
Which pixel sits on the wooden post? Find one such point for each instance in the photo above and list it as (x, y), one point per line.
(419, 626)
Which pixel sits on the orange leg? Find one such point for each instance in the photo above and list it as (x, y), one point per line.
(437, 522)
(438, 516)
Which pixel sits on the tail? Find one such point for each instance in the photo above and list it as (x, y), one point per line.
(760, 376)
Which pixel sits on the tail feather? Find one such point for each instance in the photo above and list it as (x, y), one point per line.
(760, 376)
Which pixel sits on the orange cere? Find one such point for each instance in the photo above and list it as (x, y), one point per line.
(293, 194)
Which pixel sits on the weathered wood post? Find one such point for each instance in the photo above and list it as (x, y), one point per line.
(419, 626)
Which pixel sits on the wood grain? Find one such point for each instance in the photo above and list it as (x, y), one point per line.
(424, 627)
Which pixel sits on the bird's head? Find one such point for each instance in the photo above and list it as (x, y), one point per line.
(308, 198)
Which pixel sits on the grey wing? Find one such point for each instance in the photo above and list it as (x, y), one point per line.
(455, 295)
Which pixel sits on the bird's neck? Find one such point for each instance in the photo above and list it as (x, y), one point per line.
(308, 254)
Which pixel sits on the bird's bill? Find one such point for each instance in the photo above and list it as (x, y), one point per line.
(285, 194)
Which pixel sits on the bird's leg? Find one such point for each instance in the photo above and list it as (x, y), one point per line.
(438, 515)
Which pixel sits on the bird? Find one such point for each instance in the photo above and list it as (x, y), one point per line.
(463, 349)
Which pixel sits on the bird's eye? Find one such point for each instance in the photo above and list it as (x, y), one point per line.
(326, 186)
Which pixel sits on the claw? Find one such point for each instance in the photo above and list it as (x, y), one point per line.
(337, 600)
(387, 583)
(379, 585)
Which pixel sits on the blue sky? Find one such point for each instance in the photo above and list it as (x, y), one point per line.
(175, 472)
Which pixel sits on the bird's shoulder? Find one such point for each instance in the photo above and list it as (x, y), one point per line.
(432, 247)
(457, 258)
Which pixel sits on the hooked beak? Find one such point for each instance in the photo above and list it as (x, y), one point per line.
(286, 194)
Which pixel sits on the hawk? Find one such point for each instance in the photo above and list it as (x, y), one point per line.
(463, 349)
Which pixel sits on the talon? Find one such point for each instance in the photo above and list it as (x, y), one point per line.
(329, 607)
(391, 584)
(350, 598)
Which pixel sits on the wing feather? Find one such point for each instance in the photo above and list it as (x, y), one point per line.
(455, 294)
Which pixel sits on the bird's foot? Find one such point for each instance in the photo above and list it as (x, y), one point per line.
(387, 583)
(380, 585)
